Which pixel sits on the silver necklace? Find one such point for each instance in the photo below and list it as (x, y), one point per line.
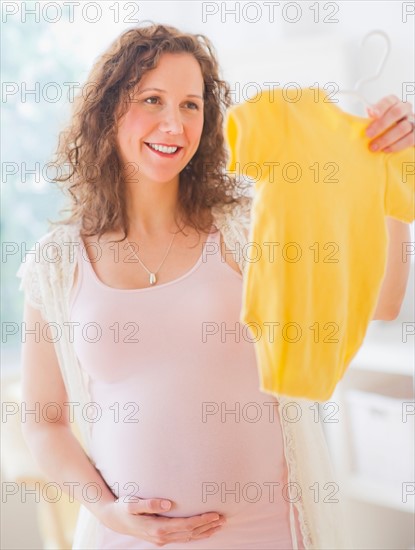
(152, 275)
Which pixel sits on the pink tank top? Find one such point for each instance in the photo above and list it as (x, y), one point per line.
(176, 410)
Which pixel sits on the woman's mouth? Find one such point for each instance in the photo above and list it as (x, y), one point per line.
(166, 151)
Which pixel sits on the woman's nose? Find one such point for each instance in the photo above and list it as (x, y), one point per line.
(172, 122)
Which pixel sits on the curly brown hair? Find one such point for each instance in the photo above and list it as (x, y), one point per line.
(97, 196)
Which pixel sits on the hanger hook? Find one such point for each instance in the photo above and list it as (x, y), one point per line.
(382, 62)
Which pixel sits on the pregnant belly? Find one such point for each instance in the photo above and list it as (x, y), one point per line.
(203, 450)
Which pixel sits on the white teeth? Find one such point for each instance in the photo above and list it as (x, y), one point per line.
(163, 148)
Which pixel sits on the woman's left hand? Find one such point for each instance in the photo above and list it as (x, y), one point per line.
(391, 128)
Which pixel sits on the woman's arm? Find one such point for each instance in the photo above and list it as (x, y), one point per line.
(57, 451)
(394, 283)
(392, 132)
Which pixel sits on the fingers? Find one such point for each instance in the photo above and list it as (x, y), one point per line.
(195, 522)
(161, 531)
(407, 141)
(177, 525)
(397, 138)
(206, 534)
(390, 110)
(214, 526)
(391, 128)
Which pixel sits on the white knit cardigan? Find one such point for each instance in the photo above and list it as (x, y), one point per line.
(47, 279)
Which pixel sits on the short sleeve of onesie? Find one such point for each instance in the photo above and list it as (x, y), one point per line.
(400, 182)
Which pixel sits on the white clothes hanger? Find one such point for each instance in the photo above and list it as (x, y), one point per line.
(356, 90)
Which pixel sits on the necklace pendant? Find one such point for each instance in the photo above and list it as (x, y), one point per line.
(153, 279)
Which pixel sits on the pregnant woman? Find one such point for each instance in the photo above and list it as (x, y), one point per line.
(151, 361)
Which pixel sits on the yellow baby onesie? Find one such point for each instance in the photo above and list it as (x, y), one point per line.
(318, 237)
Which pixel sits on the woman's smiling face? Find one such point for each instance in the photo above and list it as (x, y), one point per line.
(166, 110)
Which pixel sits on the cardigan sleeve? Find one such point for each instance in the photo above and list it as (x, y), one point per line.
(233, 220)
(28, 273)
(34, 273)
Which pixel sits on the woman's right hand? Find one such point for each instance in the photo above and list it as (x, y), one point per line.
(140, 519)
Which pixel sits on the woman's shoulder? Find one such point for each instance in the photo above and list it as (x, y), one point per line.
(237, 213)
(47, 264)
(63, 231)
(54, 246)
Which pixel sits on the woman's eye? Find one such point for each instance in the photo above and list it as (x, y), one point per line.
(153, 100)
(194, 106)
(149, 98)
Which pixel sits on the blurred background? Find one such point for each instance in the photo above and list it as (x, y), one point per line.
(47, 49)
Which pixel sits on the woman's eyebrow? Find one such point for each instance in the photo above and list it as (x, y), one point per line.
(164, 91)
